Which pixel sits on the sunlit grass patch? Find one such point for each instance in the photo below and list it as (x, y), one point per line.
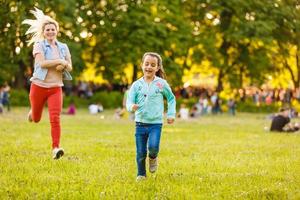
(213, 157)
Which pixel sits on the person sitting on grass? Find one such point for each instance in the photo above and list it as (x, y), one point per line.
(281, 122)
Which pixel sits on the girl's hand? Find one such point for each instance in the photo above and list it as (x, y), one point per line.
(170, 120)
(60, 68)
(135, 107)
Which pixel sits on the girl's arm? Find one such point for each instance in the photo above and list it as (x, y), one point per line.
(130, 100)
(171, 113)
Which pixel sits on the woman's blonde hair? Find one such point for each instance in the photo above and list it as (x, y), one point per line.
(161, 72)
(37, 25)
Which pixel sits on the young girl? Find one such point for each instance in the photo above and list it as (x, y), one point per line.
(145, 98)
(52, 63)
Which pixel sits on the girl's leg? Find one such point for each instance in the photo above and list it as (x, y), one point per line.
(37, 97)
(141, 137)
(54, 108)
(154, 140)
(153, 146)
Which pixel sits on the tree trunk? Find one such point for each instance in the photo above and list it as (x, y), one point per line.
(135, 70)
(220, 81)
(20, 81)
(241, 77)
(298, 71)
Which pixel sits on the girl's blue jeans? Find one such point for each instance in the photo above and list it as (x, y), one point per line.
(146, 134)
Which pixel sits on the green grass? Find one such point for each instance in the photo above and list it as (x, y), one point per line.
(214, 157)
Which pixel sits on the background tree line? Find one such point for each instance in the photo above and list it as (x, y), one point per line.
(244, 41)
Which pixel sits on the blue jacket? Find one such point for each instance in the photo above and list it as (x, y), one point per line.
(149, 98)
(40, 72)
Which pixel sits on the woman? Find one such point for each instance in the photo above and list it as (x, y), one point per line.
(52, 64)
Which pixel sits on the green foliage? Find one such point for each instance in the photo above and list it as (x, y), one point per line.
(190, 102)
(79, 102)
(108, 99)
(19, 97)
(249, 106)
(226, 33)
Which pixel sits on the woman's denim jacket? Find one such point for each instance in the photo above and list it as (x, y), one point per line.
(40, 72)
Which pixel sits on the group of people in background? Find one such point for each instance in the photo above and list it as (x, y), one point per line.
(206, 106)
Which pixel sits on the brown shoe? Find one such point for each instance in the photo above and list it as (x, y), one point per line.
(153, 165)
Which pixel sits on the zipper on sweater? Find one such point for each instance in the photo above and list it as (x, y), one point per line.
(146, 98)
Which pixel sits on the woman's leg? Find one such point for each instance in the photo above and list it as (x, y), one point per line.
(54, 108)
(37, 97)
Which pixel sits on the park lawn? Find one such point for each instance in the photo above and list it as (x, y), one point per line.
(213, 157)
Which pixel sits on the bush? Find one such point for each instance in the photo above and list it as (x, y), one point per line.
(79, 102)
(19, 97)
(188, 102)
(108, 99)
(251, 107)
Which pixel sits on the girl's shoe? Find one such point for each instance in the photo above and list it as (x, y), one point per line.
(140, 178)
(57, 153)
(153, 164)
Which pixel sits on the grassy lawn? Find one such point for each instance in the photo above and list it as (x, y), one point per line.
(213, 157)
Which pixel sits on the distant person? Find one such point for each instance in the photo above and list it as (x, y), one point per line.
(1, 94)
(183, 112)
(281, 122)
(95, 108)
(204, 104)
(1, 97)
(231, 106)
(196, 110)
(120, 113)
(71, 109)
(4, 96)
(145, 98)
(216, 103)
(52, 64)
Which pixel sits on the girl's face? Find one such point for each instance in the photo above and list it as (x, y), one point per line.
(150, 66)
(50, 32)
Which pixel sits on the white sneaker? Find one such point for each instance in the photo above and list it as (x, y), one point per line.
(29, 116)
(153, 165)
(140, 178)
(57, 153)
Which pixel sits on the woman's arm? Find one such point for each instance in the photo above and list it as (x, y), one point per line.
(40, 59)
(68, 67)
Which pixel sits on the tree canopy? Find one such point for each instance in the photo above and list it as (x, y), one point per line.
(240, 42)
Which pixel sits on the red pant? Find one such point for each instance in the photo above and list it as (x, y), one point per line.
(38, 97)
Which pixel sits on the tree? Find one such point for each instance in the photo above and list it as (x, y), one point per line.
(131, 28)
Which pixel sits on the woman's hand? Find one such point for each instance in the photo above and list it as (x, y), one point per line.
(64, 62)
(60, 68)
